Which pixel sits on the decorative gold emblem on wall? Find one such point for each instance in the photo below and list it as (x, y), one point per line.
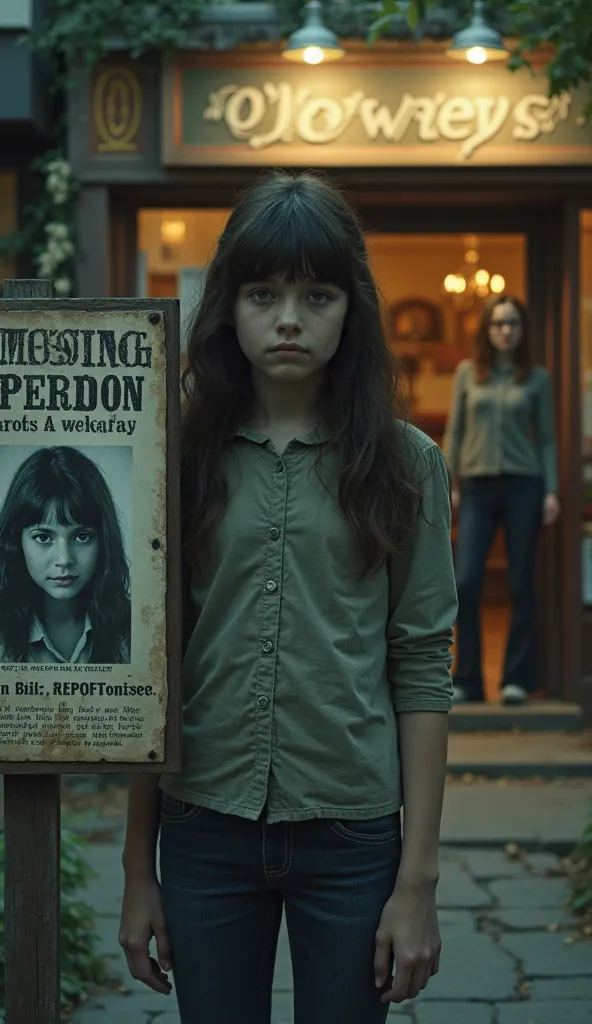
(117, 107)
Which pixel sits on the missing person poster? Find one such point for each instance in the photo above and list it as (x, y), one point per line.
(85, 418)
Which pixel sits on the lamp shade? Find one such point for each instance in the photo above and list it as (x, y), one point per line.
(479, 42)
(314, 42)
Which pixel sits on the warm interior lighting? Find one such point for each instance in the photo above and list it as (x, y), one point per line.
(472, 281)
(313, 55)
(476, 55)
(478, 42)
(314, 42)
(173, 232)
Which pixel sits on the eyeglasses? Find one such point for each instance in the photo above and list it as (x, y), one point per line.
(496, 325)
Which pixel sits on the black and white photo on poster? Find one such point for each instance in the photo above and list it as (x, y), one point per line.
(65, 517)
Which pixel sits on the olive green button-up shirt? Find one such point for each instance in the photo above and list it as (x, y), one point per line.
(501, 426)
(296, 667)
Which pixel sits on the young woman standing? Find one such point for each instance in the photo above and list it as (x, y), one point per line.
(319, 611)
(500, 447)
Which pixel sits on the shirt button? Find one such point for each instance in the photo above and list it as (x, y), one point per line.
(267, 647)
(274, 533)
(262, 702)
(279, 466)
(271, 585)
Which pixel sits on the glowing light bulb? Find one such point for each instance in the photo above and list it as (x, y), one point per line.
(313, 55)
(476, 55)
(460, 284)
(450, 283)
(497, 284)
(482, 278)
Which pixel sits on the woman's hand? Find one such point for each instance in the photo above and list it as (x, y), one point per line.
(551, 509)
(409, 931)
(141, 918)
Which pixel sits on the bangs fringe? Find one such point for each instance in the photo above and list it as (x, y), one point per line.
(284, 242)
(69, 508)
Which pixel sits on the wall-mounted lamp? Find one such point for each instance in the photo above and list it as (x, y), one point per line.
(173, 232)
(314, 42)
(479, 42)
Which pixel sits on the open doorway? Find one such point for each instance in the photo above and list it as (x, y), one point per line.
(434, 287)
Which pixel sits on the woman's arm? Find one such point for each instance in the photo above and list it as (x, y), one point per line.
(142, 828)
(545, 434)
(420, 636)
(142, 916)
(455, 421)
(423, 739)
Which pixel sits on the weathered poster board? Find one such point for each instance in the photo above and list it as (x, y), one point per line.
(90, 612)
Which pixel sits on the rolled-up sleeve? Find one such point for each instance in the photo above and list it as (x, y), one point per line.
(546, 433)
(423, 600)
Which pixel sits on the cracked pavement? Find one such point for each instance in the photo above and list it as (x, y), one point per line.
(511, 954)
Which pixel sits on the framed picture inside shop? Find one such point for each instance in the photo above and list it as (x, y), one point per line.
(415, 320)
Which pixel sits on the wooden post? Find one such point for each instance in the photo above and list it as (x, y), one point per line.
(32, 862)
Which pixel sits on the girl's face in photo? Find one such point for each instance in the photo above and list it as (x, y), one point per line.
(61, 560)
(505, 327)
(289, 330)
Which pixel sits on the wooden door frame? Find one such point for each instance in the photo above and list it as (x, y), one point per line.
(570, 458)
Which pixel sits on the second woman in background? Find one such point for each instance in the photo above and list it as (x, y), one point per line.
(500, 447)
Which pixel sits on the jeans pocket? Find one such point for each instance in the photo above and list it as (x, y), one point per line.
(370, 831)
(176, 811)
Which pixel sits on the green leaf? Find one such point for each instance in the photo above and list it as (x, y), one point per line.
(413, 15)
(379, 27)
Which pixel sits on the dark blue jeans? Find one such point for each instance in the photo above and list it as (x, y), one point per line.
(514, 503)
(225, 882)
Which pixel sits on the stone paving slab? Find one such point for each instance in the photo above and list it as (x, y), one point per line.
(472, 967)
(545, 1013)
(543, 863)
(486, 865)
(543, 989)
(483, 814)
(457, 889)
(124, 1013)
(524, 919)
(105, 891)
(454, 1013)
(530, 892)
(548, 956)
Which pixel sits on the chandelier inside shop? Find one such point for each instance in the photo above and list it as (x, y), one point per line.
(472, 281)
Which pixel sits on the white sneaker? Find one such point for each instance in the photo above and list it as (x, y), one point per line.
(459, 695)
(514, 695)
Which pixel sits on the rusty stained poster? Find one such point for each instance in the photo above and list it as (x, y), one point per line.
(83, 449)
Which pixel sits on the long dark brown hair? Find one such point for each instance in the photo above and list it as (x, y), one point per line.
(484, 350)
(300, 226)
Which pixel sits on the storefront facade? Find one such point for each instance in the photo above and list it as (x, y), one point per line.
(437, 158)
(25, 113)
